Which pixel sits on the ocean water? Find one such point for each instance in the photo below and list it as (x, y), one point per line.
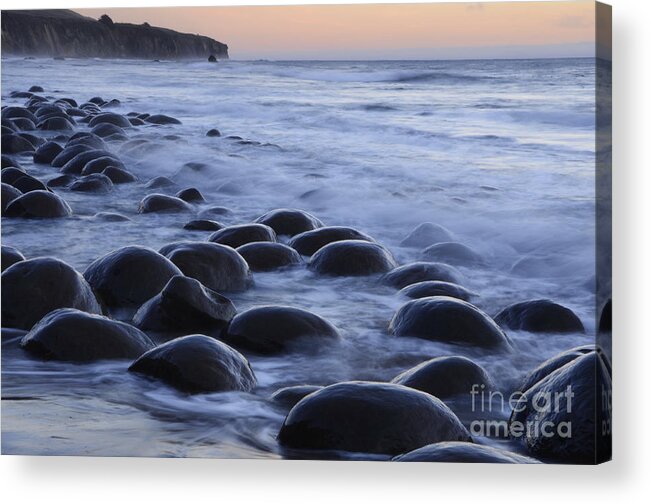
(502, 153)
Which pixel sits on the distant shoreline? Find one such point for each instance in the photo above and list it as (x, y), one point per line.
(66, 34)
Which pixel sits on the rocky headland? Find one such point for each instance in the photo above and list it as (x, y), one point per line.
(66, 34)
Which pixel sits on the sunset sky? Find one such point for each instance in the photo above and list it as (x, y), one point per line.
(384, 31)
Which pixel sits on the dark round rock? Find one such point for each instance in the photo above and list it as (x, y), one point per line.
(203, 225)
(448, 320)
(15, 144)
(161, 119)
(463, 452)
(67, 334)
(286, 221)
(44, 110)
(38, 205)
(56, 124)
(27, 183)
(452, 253)
(36, 141)
(436, 288)
(98, 165)
(190, 195)
(95, 183)
(119, 175)
(36, 89)
(309, 242)
(426, 234)
(77, 164)
(8, 161)
(352, 258)
(8, 130)
(61, 181)
(288, 397)
(47, 152)
(552, 364)
(9, 194)
(570, 399)
(163, 203)
(197, 364)
(23, 124)
(446, 376)
(184, 306)
(15, 112)
(33, 288)
(214, 211)
(129, 276)
(267, 256)
(68, 153)
(369, 417)
(10, 256)
(218, 267)
(111, 217)
(235, 236)
(110, 118)
(160, 182)
(88, 139)
(67, 102)
(11, 174)
(412, 273)
(539, 316)
(276, 329)
(106, 130)
(213, 133)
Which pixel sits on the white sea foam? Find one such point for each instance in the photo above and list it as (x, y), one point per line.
(500, 153)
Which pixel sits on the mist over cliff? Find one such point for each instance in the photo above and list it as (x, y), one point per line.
(64, 33)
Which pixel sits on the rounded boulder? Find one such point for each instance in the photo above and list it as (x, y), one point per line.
(276, 329)
(286, 221)
(129, 276)
(570, 400)
(10, 256)
(540, 316)
(197, 364)
(309, 242)
(352, 258)
(412, 273)
(33, 288)
(267, 256)
(436, 288)
(184, 306)
(462, 452)
(67, 334)
(235, 236)
(369, 417)
(38, 205)
(446, 376)
(426, 234)
(163, 203)
(448, 320)
(218, 267)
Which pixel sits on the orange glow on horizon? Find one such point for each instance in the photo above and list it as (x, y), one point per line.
(407, 30)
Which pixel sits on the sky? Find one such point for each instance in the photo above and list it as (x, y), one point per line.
(383, 31)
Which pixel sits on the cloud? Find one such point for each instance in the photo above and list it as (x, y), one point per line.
(476, 6)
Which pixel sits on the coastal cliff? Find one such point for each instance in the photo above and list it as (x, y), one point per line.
(64, 33)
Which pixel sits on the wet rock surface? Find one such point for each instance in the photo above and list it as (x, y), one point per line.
(197, 364)
(345, 417)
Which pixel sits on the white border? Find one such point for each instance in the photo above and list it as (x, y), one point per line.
(114, 480)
